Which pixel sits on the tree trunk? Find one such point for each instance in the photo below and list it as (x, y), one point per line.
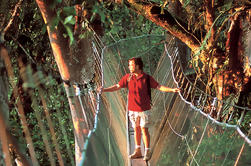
(75, 66)
(4, 110)
(7, 140)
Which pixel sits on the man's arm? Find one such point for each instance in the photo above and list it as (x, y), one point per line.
(167, 89)
(109, 89)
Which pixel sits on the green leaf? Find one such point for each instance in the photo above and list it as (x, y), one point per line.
(70, 33)
(27, 85)
(54, 23)
(97, 10)
(59, 12)
(69, 11)
(102, 15)
(70, 20)
(43, 31)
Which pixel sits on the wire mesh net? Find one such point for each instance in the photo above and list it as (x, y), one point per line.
(113, 105)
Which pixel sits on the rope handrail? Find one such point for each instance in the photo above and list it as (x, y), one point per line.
(183, 137)
(236, 126)
(97, 109)
(234, 105)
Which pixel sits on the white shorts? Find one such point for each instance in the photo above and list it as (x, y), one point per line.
(141, 119)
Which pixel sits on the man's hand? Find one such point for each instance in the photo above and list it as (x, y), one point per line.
(109, 89)
(100, 89)
(176, 90)
(167, 89)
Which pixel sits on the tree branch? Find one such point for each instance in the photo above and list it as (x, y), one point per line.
(77, 27)
(153, 12)
(210, 20)
(14, 14)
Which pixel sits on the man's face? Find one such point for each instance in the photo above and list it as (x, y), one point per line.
(132, 67)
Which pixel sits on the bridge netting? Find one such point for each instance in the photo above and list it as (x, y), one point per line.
(183, 133)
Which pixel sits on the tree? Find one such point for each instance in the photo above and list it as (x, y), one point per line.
(70, 57)
(8, 140)
(219, 40)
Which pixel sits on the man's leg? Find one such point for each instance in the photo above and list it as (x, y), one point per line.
(137, 140)
(146, 137)
(146, 140)
(145, 123)
(137, 136)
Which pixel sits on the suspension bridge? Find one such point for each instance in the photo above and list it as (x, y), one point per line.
(184, 131)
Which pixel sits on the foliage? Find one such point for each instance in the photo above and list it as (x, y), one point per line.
(217, 146)
(66, 16)
(120, 22)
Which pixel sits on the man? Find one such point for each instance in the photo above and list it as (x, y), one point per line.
(139, 86)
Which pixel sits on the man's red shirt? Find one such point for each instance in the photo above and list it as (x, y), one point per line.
(138, 97)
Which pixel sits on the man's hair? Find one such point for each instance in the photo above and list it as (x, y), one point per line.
(138, 61)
